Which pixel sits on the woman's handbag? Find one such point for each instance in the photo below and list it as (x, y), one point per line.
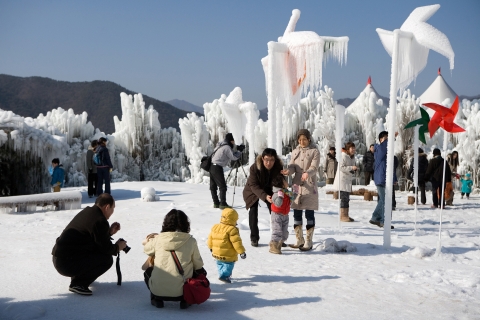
(195, 290)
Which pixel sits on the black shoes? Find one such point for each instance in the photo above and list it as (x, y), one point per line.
(157, 303)
(183, 304)
(284, 245)
(377, 223)
(254, 243)
(83, 290)
(225, 279)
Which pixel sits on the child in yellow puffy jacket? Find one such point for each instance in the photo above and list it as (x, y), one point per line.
(225, 244)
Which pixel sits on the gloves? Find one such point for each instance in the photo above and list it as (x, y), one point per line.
(243, 255)
(241, 147)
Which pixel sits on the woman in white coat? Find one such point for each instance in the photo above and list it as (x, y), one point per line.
(343, 179)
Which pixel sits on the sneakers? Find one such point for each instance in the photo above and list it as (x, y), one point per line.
(83, 290)
(225, 279)
(224, 206)
(216, 205)
(254, 243)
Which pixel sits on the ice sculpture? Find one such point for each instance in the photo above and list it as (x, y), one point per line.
(292, 67)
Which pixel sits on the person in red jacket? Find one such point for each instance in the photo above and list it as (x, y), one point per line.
(279, 217)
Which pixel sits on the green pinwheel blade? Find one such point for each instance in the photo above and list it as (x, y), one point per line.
(414, 123)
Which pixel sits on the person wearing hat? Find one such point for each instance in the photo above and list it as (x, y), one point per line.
(331, 164)
(466, 185)
(422, 168)
(104, 168)
(304, 166)
(368, 163)
(434, 174)
(222, 155)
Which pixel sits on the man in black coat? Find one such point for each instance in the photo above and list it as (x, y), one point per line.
(259, 187)
(434, 174)
(422, 169)
(84, 249)
(368, 164)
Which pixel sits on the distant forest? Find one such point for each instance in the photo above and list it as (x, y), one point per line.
(28, 97)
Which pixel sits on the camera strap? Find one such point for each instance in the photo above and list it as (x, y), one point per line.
(119, 272)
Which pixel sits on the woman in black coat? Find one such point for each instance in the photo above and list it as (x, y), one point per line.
(422, 168)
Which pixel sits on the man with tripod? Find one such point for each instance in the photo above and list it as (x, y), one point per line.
(222, 155)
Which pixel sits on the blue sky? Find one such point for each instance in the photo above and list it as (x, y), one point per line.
(198, 50)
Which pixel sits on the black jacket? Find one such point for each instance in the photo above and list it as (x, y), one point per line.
(368, 161)
(105, 156)
(259, 182)
(435, 171)
(88, 232)
(422, 168)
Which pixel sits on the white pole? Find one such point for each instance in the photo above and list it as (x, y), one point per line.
(271, 97)
(339, 119)
(439, 243)
(391, 142)
(415, 168)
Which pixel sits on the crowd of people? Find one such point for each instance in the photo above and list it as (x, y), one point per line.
(84, 250)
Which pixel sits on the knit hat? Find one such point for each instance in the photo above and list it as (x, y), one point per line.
(304, 132)
(468, 175)
(229, 137)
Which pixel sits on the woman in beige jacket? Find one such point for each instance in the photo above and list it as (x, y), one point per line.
(163, 278)
(343, 180)
(304, 166)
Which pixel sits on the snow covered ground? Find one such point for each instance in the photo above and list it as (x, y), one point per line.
(404, 282)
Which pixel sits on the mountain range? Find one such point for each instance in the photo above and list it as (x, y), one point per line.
(30, 96)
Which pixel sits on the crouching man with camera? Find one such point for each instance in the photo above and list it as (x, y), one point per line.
(84, 250)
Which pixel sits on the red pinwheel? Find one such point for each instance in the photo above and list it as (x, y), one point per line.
(443, 117)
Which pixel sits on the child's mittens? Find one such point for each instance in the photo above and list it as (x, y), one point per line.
(243, 255)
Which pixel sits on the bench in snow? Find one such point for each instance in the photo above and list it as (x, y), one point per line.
(64, 200)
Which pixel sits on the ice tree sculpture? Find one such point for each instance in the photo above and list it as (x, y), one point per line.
(195, 139)
(293, 66)
(215, 121)
(409, 47)
(147, 150)
(241, 118)
(469, 141)
(367, 108)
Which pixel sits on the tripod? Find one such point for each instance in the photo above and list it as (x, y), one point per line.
(237, 163)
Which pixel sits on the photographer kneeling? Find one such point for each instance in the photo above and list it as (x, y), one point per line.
(84, 249)
(222, 155)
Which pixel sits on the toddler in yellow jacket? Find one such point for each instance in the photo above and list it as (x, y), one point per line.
(225, 244)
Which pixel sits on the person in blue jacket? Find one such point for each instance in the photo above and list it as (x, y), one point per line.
(380, 176)
(466, 185)
(104, 168)
(58, 175)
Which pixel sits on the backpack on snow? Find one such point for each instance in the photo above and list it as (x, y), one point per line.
(97, 159)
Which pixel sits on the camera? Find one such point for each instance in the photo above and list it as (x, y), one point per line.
(127, 248)
(241, 147)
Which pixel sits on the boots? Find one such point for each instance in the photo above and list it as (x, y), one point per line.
(216, 201)
(309, 241)
(275, 247)
(344, 215)
(223, 199)
(299, 236)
